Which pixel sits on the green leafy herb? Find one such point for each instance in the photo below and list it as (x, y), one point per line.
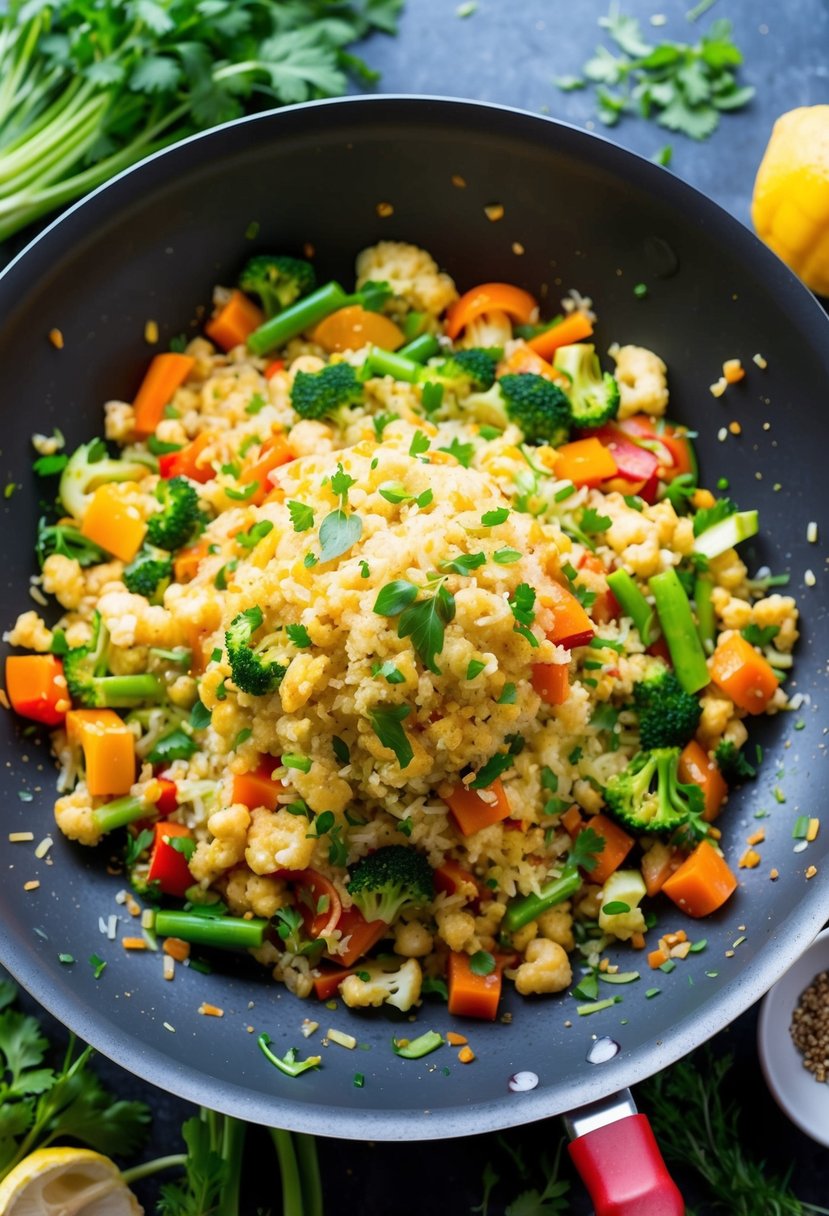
(475, 668)
(490, 519)
(177, 745)
(254, 534)
(420, 443)
(389, 671)
(200, 716)
(387, 724)
(424, 622)
(394, 597)
(183, 844)
(244, 494)
(302, 763)
(522, 603)
(256, 404)
(48, 466)
(338, 533)
(298, 635)
(341, 750)
(592, 522)
(465, 563)
(302, 516)
(508, 695)
(506, 556)
(758, 636)
(431, 398)
(463, 452)
(706, 517)
(380, 422)
(495, 767)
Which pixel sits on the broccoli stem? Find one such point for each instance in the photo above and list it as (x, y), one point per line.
(706, 618)
(679, 628)
(421, 348)
(223, 932)
(529, 907)
(633, 604)
(292, 1204)
(124, 692)
(392, 363)
(296, 318)
(120, 812)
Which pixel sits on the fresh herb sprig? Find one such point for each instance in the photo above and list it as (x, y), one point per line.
(424, 619)
(89, 88)
(682, 86)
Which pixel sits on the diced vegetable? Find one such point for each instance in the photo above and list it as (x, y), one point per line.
(168, 867)
(617, 845)
(112, 521)
(727, 533)
(450, 876)
(695, 765)
(472, 812)
(573, 328)
(275, 451)
(679, 628)
(257, 787)
(571, 625)
(551, 681)
(362, 934)
(658, 863)
(490, 297)
(634, 604)
(235, 321)
(186, 462)
(702, 883)
(166, 373)
(187, 561)
(471, 995)
(36, 687)
(318, 900)
(743, 674)
(222, 932)
(585, 462)
(328, 981)
(353, 327)
(108, 747)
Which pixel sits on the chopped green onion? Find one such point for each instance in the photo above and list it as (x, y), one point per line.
(415, 1049)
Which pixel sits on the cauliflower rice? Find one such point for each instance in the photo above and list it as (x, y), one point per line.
(372, 732)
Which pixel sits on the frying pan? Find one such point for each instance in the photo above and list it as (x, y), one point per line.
(577, 212)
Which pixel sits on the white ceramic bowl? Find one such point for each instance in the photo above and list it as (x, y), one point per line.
(803, 1098)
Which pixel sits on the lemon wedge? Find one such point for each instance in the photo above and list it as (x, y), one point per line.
(67, 1182)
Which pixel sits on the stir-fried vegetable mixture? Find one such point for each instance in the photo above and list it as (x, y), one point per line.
(398, 630)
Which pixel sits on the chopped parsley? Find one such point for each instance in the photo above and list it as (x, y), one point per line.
(387, 724)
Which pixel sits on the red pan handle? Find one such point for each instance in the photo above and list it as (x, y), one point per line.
(620, 1163)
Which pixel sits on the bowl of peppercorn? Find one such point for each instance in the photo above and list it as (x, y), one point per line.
(793, 1040)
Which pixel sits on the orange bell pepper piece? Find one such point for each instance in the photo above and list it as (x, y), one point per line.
(257, 787)
(573, 328)
(235, 321)
(472, 812)
(108, 747)
(186, 463)
(522, 358)
(585, 462)
(571, 625)
(113, 522)
(702, 883)
(696, 767)
(551, 681)
(490, 297)
(743, 674)
(353, 327)
(36, 687)
(275, 451)
(166, 373)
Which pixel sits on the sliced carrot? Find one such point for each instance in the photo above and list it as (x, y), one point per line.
(108, 747)
(490, 297)
(257, 787)
(276, 365)
(743, 674)
(571, 624)
(166, 373)
(112, 521)
(362, 934)
(235, 321)
(317, 900)
(585, 462)
(471, 995)
(702, 883)
(186, 461)
(327, 983)
(522, 358)
(551, 681)
(36, 687)
(657, 957)
(471, 811)
(573, 328)
(617, 845)
(695, 766)
(605, 606)
(353, 327)
(450, 876)
(657, 864)
(187, 561)
(275, 451)
(572, 820)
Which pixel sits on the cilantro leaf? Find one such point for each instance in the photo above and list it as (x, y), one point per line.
(424, 622)
(177, 745)
(302, 516)
(592, 522)
(299, 635)
(387, 724)
(463, 452)
(585, 849)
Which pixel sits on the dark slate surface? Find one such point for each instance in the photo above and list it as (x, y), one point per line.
(507, 53)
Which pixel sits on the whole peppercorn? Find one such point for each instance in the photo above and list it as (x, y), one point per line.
(810, 1026)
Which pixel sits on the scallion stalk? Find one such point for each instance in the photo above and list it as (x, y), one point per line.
(679, 628)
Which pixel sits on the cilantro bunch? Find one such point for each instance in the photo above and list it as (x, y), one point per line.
(684, 87)
(90, 88)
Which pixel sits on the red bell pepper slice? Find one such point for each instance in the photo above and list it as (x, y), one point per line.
(36, 687)
(318, 901)
(168, 801)
(168, 867)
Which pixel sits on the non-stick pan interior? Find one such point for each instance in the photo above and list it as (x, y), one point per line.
(577, 213)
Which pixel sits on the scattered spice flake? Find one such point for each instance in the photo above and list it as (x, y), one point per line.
(66, 958)
(384, 210)
(712, 975)
(21, 837)
(151, 333)
(98, 965)
(359, 1080)
(133, 906)
(342, 1039)
(728, 954)
(774, 874)
(760, 361)
(735, 428)
(211, 1011)
(517, 248)
(456, 1040)
(25, 795)
(494, 212)
(813, 829)
(749, 860)
(652, 992)
(133, 943)
(811, 871)
(733, 371)
(466, 9)
(757, 837)
(640, 290)
(809, 578)
(176, 948)
(778, 794)
(466, 1055)
(739, 941)
(722, 434)
(308, 250)
(308, 1027)
(56, 338)
(718, 387)
(458, 182)
(31, 885)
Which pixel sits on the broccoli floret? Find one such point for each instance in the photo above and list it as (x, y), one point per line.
(149, 573)
(668, 715)
(648, 796)
(390, 879)
(732, 763)
(277, 281)
(327, 393)
(91, 466)
(255, 670)
(68, 541)
(471, 370)
(594, 394)
(86, 668)
(534, 404)
(175, 523)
